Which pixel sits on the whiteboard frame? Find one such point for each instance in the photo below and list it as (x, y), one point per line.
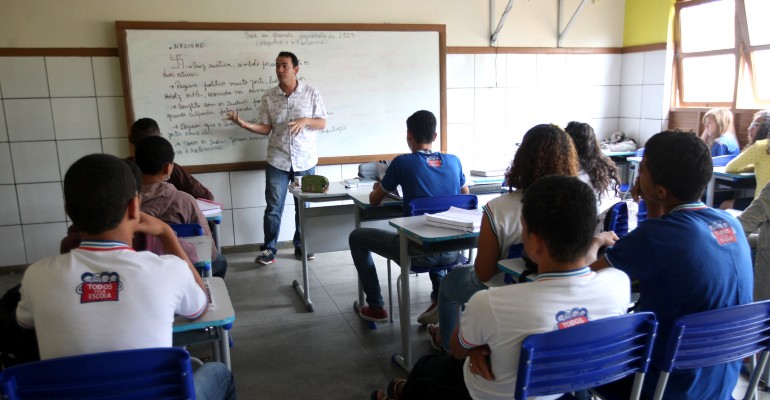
(123, 26)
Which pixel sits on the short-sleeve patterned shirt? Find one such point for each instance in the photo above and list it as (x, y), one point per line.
(277, 109)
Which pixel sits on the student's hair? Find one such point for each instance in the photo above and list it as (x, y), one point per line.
(97, 189)
(294, 59)
(764, 127)
(723, 118)
(142, 128)
(152, 154)
(680, 162)
(545, 150)
(422, 124)
(562, 211)
(601, 171)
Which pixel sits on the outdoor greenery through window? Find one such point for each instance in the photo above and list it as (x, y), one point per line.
(723, 53)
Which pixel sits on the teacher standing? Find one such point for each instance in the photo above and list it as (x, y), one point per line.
(290, 114)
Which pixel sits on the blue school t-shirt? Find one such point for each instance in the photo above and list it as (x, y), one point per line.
(423, 174)
(692, 259)
(725, 145)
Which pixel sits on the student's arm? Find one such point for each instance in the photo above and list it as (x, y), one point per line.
(150, 225)
(465, 190)
(757, 213)
(377, 194)
(261, 129)
(479, 356)
(488, 252)
(747, 158)
(604, 239)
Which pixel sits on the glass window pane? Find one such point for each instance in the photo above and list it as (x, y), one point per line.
(757, 12)
(709, 26)
(709, 79)
(761, 64)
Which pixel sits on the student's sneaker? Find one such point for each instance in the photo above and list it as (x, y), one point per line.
(373, 314)
(265, 258)
(298, 254)
(429, 316)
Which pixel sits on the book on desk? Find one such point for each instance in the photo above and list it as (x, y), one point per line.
(209, 207)
(456, 218)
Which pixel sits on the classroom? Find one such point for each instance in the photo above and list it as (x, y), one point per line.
(609, 63)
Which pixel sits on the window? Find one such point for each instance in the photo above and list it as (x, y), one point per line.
(723, 53)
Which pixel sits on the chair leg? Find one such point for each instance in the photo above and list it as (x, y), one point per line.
(390, 294)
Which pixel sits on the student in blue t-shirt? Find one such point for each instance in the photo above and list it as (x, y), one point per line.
(421, 173)
(719, 133)
(687, 257)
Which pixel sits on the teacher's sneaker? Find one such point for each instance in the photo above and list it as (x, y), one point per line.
(373, 314)
(266, 257)
(298, 254)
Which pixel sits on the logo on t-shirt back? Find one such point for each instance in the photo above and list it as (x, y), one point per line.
(434, 161)
(103, 286)
(571, 317)
(723, 232)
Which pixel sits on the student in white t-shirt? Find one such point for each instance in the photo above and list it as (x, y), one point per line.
(558, 219)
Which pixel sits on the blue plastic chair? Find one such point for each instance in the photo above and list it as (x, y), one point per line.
(586, 356)
(641, 212)
(717, 337)
(194, 230)
(617, 219)
(153, 373)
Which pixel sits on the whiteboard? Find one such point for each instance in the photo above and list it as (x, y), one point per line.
(187, 76)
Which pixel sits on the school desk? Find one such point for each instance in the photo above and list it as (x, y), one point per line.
(420, 239)
(515, 267)
(214, 326)
(214, 221)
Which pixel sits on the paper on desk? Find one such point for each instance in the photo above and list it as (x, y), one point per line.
(490, 172)
(359, 182)
(456, 218)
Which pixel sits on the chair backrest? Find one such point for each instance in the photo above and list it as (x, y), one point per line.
(129, 374)
(187, 230)
(617, 219)
(716, 337)
(586, 356)
(435, 204)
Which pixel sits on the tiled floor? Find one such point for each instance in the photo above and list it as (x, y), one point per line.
(283, 352)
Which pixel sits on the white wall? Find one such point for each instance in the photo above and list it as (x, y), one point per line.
(645, 93)
(90, 23)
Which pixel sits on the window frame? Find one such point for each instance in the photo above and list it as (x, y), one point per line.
(745, 73)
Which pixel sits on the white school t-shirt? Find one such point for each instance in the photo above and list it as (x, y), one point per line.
(502, 317)
(104, 296)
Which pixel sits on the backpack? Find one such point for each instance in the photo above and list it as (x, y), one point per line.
(17, 345)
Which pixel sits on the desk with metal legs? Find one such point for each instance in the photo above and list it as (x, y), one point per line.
(323, 229)
(214, 326)
(419, 239)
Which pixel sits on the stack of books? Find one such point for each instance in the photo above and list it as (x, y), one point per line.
(456, 218)
(209, 207)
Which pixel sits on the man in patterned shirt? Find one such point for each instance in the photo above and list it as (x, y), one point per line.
(290, 113)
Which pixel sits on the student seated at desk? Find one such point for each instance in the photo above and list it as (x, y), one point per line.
(756, 157)
(421, 173)
(155, 157)
(719, 133)
(596, 169)
(104, 296)
(545, 150)
(755, 218)
(140, 129)
(687, 257)
(558, 219)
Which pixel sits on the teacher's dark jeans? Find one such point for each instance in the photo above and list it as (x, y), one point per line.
(276, 183)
